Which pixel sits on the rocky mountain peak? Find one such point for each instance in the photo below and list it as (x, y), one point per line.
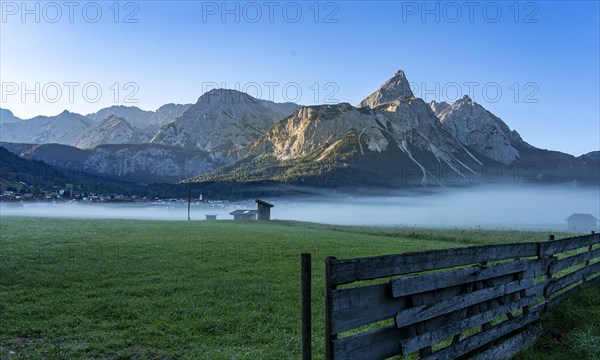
(6, 116)
(225, 96)
(113, 130)
(474, 126)
(5, 112)
(396, 88)
(438, 107)
(594, 155)
(222, 119)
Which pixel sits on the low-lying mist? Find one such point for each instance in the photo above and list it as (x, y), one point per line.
(498, 207)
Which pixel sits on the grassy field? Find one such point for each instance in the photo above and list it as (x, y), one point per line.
(571, 330)
(192, 290)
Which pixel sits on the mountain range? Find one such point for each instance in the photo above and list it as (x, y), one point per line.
(394, 139)
(391, 139)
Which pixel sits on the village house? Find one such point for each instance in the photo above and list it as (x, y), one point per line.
(244, 214)
(262, 213)
(582, 223)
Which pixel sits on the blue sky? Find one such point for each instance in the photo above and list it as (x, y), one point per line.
(534, 64)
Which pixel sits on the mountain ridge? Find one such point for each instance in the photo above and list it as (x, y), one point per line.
(392, 135)
(222, 120)
(391, 138)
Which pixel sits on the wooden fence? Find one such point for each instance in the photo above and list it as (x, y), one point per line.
(477, 302)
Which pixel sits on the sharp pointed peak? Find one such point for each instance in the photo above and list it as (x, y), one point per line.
(400, 73)
(396, 88)
(466, 98)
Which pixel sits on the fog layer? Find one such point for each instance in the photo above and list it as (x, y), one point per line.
(521, 208)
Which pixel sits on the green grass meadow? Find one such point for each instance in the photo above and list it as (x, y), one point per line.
(113, 289)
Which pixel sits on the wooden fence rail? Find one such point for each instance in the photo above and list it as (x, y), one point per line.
(477, 302)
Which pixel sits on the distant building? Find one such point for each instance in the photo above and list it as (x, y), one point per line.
(264, 210)
(244, 214)
(211, 217)
(582, 222)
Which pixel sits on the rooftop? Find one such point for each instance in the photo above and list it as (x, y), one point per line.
(260, 202)
(582, 217)
(243, 212)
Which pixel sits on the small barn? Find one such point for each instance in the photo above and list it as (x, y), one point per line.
(582, 222)
(211, 217)
(244, 214)
(264, 210)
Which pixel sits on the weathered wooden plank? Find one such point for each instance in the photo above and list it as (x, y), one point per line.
(574, 260)
(351, 308)
(572, 278)
(438, 295)
(417, 342)
(540, 267)
(562, 297)
(421, 313)
(512, 346)
(483, 338)
(594, 278)
(359, 306)
(419, 300)
(354, 307)
(361, 345)
(565, 295)
(349, 270)
(415, 284)
(548, 248)
(376, 344)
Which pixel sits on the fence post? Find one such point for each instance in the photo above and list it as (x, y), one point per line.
(587, 263)
(549, 272)
(306, 264)
(329, 287)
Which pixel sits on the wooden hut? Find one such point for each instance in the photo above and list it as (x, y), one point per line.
(244, 214)
(582, 222)
(264, 210)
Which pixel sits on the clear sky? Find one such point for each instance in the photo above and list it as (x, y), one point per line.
(534, 64)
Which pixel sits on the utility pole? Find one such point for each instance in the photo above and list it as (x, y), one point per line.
(189, 197)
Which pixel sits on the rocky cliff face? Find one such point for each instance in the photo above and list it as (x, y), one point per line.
(125, 163)
(479, 129)
(64, 128)
(146, 122)
(169, 112)
(438, 107)
(313, 127)
(114, 130)
(154, 163)
(391, 135)
(396, 88)
(7, 117)
(484, 132)
(72, 129)
(222, 120)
